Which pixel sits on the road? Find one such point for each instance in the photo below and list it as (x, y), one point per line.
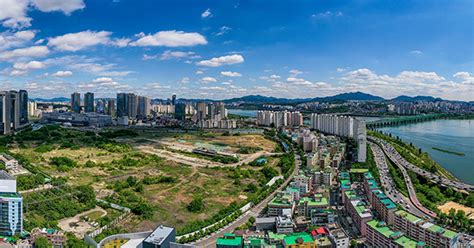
(210, 240)
(411, 190)
(388, 184)
(397, 158)
(198, 162)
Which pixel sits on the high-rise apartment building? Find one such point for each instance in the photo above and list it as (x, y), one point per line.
(89, 102)
(14, 109)
(343, 126)
(111, 107)
(201, 111)
(5, 123)
(122, 104)
(23, 106)
(11, 206)
(143, 107)
(279, 118)
(180, 111)
(132, 105)
(173, 100)
(76, 102)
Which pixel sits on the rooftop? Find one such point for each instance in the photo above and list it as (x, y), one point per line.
(9, 195)
(368, 175)
(5, 176)
(276, 236)
(345, 184)
(388, 203)
(351, 195)
(281, 201)
(230, 240)
(361, 208)
(381, 228)
(318, 201)
(446, 233)
(403, 241)
(410, 217)
(292, 239)
(344, 175)
(159, 234)
(358, 170)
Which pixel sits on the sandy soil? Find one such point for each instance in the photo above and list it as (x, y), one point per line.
(448, 205)
(76, 225)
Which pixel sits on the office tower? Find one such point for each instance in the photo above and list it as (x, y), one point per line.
(76, 102)
(89, 102)
(23, 106)
(11, 206)
(201, 110)
(111, 107)
(143, 106)
(32, 108)
(180, 111)
(211, 111)
(5, 123)
(173, 100)
(122, 104)
(220, 107)
(100, 107)
(14, 109)
(132, 105)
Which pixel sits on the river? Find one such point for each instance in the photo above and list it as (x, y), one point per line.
(243, 112)
(451, 135)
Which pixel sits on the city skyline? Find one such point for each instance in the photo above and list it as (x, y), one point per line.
(299, 50)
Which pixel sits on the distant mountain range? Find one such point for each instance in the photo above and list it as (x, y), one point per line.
(259, 99)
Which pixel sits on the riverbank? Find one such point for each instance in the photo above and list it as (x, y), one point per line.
(449, 135)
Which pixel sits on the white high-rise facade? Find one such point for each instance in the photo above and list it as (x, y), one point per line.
(343, 126)
(279, 118)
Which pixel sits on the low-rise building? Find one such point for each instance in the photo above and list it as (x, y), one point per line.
(280, 204)
(229, 241)
(284, 224)
(380, 235)
(423, 230)
(339, 238)
(322, 217)
(161, 237)
(299, 240)
(308, 204)
(56, 238)
(10, 162)
(265, 223)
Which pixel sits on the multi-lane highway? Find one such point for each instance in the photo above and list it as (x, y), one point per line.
(399, 160)
(410, 204)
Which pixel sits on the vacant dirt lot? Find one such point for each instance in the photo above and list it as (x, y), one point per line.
(448, 205)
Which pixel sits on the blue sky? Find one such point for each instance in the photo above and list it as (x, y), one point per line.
(223, 49)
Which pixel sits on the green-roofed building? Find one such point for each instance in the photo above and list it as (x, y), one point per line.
(424, 230)
(275, 238)
(257, 243)
(280, 203)
(295, 240)
(229, 241)
(307, 204)
(379, 234)
(383, 206)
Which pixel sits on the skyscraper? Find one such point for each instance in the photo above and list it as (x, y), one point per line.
(173, 100)
(132, 105)
(5, 123)
(76, 102)
(180, 111)
(111, 107)
(143, 107)
(89, 102)
(23, 106)
(14, 109)
(122, 104)
(201, 110)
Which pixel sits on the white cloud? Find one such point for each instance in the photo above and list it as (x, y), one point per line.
(102, 80)
(223, 30)
(199, 72)
(149, 57)
(207, 13)
(13, 13)
(341, 69)
(208, 80)
(122, 42)
(184, 80)
(230, 74)
(224, 60)
(62, 74)
(295, 72)
(65, 6)
(78, 41)
(326, 15)
(10, 39)
(416, 52)
(32, 65)
(466, 77)
(115, 73)
(17, 73)
(28, 52)
(177, 55)
(171, 38)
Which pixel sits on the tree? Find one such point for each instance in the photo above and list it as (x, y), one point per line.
(42, 242)
(196, 205)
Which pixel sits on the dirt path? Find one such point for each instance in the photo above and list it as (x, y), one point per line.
(76, 225)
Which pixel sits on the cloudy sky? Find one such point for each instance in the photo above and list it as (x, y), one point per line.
(222, 49)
